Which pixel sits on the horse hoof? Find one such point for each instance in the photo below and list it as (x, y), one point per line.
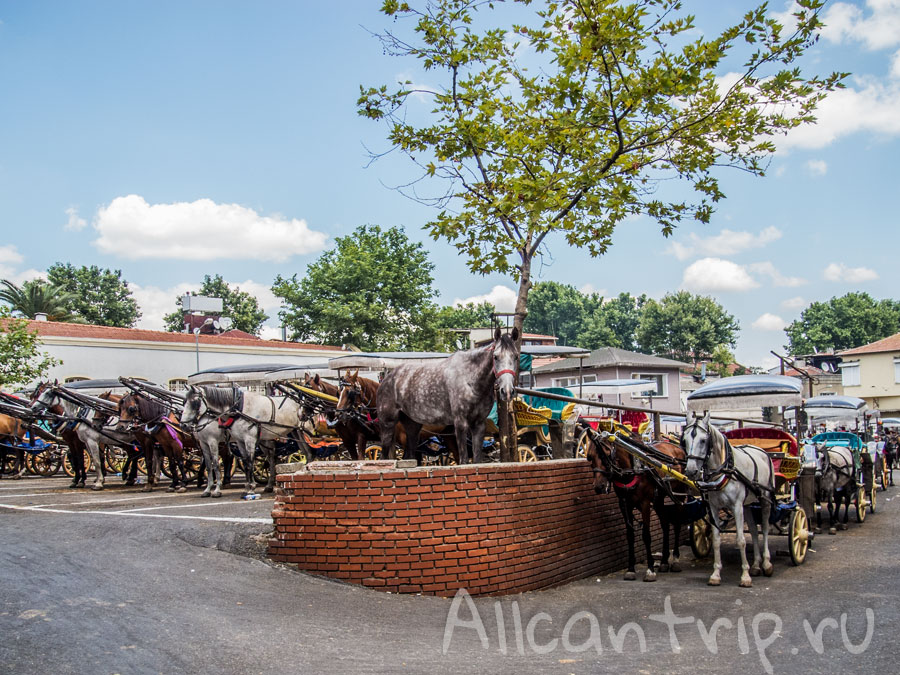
(650, 575)
(713, 582)
(755, 571)
(663, 567)
(217, 494)
(205, 494)
(844, 526)
(96, 488)
(768, 569)
(181, 489)
(832, 530)
(817, 530)
(269, 489)
(146, 488)
(746, 583)
(630, 576)
(129, 482)
(170, 489)
(675, 567)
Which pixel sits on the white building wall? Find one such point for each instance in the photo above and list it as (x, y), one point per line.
(161, 362)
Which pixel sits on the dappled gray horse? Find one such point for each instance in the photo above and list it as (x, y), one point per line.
(457, 391)
(733, 478)
(835, 483)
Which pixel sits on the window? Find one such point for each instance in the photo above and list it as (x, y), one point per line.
(178, 384)
(525, 380)
(896, 370)
(567, 382)
(850, 374)
(659, 378)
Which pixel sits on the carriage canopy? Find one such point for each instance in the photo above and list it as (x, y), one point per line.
(746, 392)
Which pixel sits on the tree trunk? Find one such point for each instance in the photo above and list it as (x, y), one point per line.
(506, 419)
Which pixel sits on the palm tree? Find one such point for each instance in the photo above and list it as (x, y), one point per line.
(37, 296)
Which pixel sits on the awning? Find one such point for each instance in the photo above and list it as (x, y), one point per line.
(834, 407)
(745, 392)
(249, 372)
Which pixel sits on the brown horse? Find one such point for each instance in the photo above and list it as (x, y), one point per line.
(136, 411)
(639, 488)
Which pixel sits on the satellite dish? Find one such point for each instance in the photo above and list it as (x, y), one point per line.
(224, 323)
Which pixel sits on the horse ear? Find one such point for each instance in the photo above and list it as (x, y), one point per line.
(515, 334)
(316, 378)
(706, 417)
(497, 333)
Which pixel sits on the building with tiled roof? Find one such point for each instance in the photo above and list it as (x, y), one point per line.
(872, 372)
(98, 352)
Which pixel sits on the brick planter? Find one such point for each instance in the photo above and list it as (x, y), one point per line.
(492, 529)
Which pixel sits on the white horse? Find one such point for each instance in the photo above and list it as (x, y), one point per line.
(732, 478)
(836, 482)
(89, 426)
(255, 420)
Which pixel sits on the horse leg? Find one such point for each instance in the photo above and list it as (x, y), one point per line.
(476, 431)
(388, 426)
(663, 515)
(206, 466)
(625, 508)
(227, 462)
(270, 453)
(716, 577)
(676, 526)
(413, 429)
(20, 463)
(832, 513)
(650, 574)
(94, 449)
(459, 430)
(767, 566)
(754, 527)
(178, 454)
(746, 581)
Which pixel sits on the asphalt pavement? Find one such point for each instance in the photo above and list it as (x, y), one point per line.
(122, 581)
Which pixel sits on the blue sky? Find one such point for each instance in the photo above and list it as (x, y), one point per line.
(175, 139)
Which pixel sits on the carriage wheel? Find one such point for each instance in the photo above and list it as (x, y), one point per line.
(115, 457)
(46, 463)
(701, 537)
(799, 536)
(885, 474)
(872, 499)
(373, 452)
(295, 457)
(261, 469)
(67, 465)
(861, 504)
(582, 445)
(142, 465)
(192, 465)
(526, 453)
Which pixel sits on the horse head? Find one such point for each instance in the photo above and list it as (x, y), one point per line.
(195, 406)
(697, 442)
(599, 454)
(823, 461)
(44, 397)
(506, 363)
(129, 411)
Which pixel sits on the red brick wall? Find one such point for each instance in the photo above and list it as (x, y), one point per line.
(489, 528)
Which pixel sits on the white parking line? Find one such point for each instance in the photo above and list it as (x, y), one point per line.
(187, 506)
(35, 487)
(219, 519)
(29, 494)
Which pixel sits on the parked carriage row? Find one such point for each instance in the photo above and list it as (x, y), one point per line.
(706, 481)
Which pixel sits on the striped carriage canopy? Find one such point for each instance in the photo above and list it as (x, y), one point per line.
(745, 392)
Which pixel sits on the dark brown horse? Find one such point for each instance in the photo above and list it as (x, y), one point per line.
(136, 411)
(639, 488)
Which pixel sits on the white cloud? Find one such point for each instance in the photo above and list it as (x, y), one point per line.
(269, 302)
(877, 30)
(10, 259)
(769, 270)
(727, 242)
(769, 322)
(9, 255)
(793, 303)
(267, 332)
(75, 222)
(840, 272)
(817, 167)
(715, 274)
(202, 230)
(502, 298)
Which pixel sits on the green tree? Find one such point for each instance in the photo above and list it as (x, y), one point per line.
(21, 361)
(446, 320)
(99, 296)
(620, 97)
(685, 326)
(846, 322)
(556, 309)
(38, 297)
(372, 290)
(720, 359)
(242, 308)
(614, 324)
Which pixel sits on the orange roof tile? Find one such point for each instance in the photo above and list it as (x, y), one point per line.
(86, 331)
(888, 344)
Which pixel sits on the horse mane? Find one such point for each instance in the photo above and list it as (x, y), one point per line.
(150, 409)
(218, 397)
